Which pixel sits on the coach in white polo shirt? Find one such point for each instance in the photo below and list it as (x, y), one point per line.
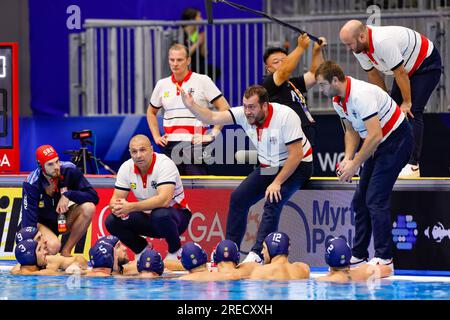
(161, 210)
(369, 114)
(184, 134)
(285, 157)
(411, 58)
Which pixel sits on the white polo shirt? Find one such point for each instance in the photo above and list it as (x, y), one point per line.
(392, 46)
(162, 171)
(363, 101)
(179, 122)
(281, 128)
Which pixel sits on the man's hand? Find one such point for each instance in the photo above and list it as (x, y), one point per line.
(303, 41)
(63, 204)
(273, 191)
(200, 138)
(320, 46)
(161, 141)
(186, 97)
(122, 208)
(346, 170)
(406, 109)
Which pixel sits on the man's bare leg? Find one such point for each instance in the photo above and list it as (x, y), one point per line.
(51, 239)
(78, 221)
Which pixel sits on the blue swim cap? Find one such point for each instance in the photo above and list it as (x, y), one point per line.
(102, 255)
(26, 252)
(112, 240)
(193, 256)
(277, 243)
(26, 233)
(151, 261)
(337, 253)
(226, 250)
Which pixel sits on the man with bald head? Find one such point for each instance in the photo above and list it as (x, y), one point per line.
(414, 62)
(161, 210)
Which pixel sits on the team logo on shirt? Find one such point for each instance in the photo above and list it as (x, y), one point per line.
(154, 184)
(354, 113)
(133, 185)
(166, 94)
(41, 204)
(273, 140)
(191, 91)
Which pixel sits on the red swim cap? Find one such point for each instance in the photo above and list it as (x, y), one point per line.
(45, 153)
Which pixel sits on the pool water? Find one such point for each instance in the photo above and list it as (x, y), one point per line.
(83, 288)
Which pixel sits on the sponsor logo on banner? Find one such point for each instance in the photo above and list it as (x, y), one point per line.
(404, 232)
(10, 206)
(437, 232)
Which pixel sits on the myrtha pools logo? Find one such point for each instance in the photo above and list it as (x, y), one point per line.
(404, 232)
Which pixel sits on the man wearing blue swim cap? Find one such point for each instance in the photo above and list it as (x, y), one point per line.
(150, 264)
(226, 257)
(122, 264)
(101, 256)
(276, 264)
(33, 258)
(194, 259)
(338, 255)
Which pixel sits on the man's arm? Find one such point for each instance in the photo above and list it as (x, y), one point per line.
(221, 104)
(291, 61)
(204, 114)
(152, 121)
(30, 205)
(82, 190)
(374, 137)
(118, 194)
(316, 61)
(295, 156)
(402, 79)
(351, 140)
(375, 77)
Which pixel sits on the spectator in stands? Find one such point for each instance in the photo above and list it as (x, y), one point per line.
(194, 39)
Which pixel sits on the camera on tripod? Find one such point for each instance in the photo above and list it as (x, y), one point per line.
(81, 135)
(83, 158)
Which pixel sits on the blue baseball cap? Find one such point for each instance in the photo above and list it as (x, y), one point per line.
(151, 261)
(193, 256)
(226, 250)
(338, 253)
(26, 233)
(102, 255)
(277, 243)
(26, 252)
(112, 240)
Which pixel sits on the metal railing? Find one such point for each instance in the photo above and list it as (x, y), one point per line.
(317, 7)
(115, 64)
